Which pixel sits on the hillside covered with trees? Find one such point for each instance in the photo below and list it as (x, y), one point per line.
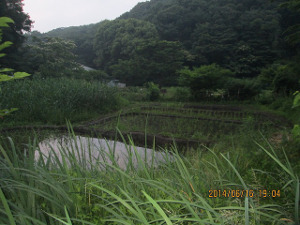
(158, 38)
(211, 97)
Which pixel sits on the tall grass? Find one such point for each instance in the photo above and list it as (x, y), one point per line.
(55, 100)
(177, 192)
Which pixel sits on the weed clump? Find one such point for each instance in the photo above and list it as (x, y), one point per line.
(197, 188)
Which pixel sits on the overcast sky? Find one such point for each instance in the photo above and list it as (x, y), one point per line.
(51, 14)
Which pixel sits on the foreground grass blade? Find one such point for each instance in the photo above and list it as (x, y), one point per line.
(158, 208)
(247, 221)
(138, 213)
(297, 200)
(278, 162)
(295, 179)
(7, 209)
(69, 222)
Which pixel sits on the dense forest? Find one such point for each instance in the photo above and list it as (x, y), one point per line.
(158, 38)
(221, 49)
(242, 36)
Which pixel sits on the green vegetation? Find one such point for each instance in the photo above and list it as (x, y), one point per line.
(184, 191)
(214, 84)
(212, 124)
(53, 100)
(53, 57)
(4, 22)
(205, 80)
(13, 9)
(240, 36)
(159, 41)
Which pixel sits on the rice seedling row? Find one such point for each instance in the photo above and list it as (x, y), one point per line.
(221, 113)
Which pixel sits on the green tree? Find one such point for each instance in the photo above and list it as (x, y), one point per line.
(83, 37)
(119, 39)
(237, 37)
(242, 88)
(204, 80)
(53, 57)
(7, 74)
(292, 33)
(14, 31)
(154, 61)
(281, 78)
(242, 36)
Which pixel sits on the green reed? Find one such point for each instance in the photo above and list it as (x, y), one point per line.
(55, 100)
(176, 192)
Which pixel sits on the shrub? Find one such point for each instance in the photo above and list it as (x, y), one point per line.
(265, 97)
(282, 79)
(153, 91)
(242, 89)
(182, 94)
(204, 80)
(183, 190)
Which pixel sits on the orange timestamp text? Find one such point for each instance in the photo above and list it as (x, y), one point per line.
(240, 193)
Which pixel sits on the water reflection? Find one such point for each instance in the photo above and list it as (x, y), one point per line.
(94, 152)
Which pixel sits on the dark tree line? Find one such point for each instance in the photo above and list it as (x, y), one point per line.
(14, 32)
(243, 36)
(160, 39)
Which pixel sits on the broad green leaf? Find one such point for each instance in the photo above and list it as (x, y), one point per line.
(5, 78)
(6, 70)
(19, 75)
(2, 55)
(5, 45)
(4, 21)
(296, 102)
(296, 131)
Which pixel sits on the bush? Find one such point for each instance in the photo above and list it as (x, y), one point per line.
(265, 97)
(182, 94)
(153, 91)
(282, 79)
(282, 104)
(204, 80)
(242, 89)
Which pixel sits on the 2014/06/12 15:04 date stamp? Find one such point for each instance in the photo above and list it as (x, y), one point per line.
(239, 193)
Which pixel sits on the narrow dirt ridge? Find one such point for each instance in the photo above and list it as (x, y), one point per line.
(138, 137)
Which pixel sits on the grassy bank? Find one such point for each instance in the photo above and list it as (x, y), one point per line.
(244, 177)
(206, 186)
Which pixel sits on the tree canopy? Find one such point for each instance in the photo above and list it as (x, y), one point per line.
(120, 39)
(52, 57)
(7, 74)
(14, 32)
(158, 37)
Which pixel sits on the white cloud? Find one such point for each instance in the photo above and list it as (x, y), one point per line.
(51, 14)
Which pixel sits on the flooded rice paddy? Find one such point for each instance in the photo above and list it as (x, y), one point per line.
(94, 152)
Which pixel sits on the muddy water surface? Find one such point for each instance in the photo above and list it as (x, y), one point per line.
(93, 152)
